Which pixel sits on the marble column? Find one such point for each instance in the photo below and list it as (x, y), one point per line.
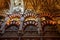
(21, 27)
(21, 22)
(39, 25)
(3, 24)
(40, 28)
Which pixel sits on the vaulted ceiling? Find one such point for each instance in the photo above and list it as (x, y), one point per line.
(52, 6)
(4, 4)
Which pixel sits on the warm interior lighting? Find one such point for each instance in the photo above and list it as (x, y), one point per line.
(13, 19)
(30, 18)
(43, 18)
(58, 21)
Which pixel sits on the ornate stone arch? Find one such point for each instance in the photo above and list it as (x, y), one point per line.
(30, 22)
(46, 15)
(27, 15)
(14, 19)
(51, 22)
(3, 15)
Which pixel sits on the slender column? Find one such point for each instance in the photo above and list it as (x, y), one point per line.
(21, 22)
(40, 28)
(3, 29)
(21, 27)
(3, 24)
(39, 24)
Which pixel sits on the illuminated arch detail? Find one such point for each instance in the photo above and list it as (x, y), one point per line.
(30, 22)
(48, 22)
(3, 15)
(13, 17)
(46, 15)
(30, 15)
